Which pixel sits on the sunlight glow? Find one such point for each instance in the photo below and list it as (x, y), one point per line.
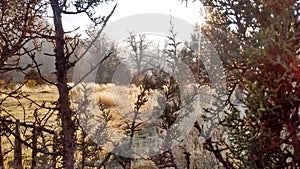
(201, 21)
(189, 13)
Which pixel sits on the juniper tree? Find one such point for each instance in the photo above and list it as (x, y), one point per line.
(258, 42)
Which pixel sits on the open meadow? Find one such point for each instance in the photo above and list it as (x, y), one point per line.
(106, 108)
(29, 105)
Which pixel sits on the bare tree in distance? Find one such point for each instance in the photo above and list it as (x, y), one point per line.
(138, 44)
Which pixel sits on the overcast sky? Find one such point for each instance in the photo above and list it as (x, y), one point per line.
(190, 13)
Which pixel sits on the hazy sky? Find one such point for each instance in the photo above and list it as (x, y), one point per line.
(190, 13)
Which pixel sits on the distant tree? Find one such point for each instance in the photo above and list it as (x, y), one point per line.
(32, 74)
(192, 54)
(100, 48)
(138, 45)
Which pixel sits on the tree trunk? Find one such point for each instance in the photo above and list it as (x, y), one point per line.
(65, 112)
(1, 154)
(34, 147)
(18, 148)
(55, 149)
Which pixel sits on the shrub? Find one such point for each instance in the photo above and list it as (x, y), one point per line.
(2, 83)
(31, 83)
(32, 74)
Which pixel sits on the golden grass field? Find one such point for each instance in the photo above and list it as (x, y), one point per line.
(24, 110)
(41, 95)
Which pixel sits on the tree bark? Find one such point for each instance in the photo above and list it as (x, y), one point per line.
(18, 148)
(34, 147)
(1, 154)
(65, 112)
(55, 149)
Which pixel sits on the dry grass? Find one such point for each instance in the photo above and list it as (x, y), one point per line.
(101, 94)
(119, 100)
(23, 108)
